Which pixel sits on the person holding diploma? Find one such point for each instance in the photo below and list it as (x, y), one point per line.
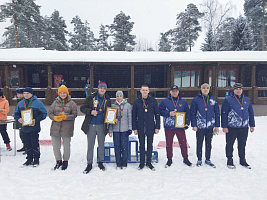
(63, 112)
(94, 107)
(168, 108)
(205, 120)
(30, 124)
(121, 130)
(145, 122)
(237, 117)
(4, 109)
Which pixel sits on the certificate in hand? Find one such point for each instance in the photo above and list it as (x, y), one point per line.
(179, 120)
(111, 115)
(27, 117)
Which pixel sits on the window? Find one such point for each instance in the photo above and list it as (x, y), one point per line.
(187, 79)
(226, 77)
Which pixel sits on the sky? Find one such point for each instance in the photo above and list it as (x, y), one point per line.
(151, 17)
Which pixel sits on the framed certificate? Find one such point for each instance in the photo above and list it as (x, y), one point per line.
(179, 120)
(111, 115)
(27, 117)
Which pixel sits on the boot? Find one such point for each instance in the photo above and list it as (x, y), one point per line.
(8, 147)
(169, 163)
(22, 149)
(187, 162)
(36, 162)
(58, 164)
(88, 169)
(230, 163)
(101, 166)
(141, 166)
(244, 163)
(64, 165)
(28, 162)
(150, 166)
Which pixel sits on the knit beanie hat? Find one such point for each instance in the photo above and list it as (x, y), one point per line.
(102, 84)
(19, 91)
(119, 93)
(237, 85)
(205, 85)
(63, 88)
(28, 89)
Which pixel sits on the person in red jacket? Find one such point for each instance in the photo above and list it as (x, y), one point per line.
(4, 109)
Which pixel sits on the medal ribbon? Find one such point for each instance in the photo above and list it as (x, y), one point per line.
(145, 103)
(120, 107)
(175, 105)
(100, 106)
(206, 103)
(27, 107)
(63, 105)
(239, 101)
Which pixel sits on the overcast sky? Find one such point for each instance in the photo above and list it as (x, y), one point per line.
(151, 17)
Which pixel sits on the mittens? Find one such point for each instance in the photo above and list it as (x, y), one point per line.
(129, 132)
(57, 118)
(64, 117)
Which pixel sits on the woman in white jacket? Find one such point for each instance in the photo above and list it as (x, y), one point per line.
(121, 130)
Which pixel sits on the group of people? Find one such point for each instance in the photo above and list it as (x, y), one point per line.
(143, 118)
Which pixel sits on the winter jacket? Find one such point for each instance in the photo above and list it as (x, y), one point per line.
(65, 127)
(125, 123)
(232, 114)
(166, 106)
(39, 114)
(145, 122)
(205, 119)
(4, 106)
(17, 125)
(88, 106)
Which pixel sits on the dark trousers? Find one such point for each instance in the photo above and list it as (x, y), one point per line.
(4, 133)
(121, 140)
(142, 138)
(32, 145)
(21, 135)
(241, 134)
(180, 134)
(200, 135)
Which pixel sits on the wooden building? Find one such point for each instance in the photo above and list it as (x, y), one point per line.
(127, 71)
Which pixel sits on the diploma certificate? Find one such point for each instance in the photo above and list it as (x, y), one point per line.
(179, 120)
(27, 117)
(111, 115)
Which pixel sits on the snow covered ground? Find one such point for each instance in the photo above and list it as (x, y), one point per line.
(176, 182)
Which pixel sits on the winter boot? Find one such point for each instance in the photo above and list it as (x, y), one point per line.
(187, 162)
(36, 162)
(141, 166)
(8, 147)
(101, 166)
(245, 164)
(64, 165)
(230, 163)
(88, 169)
(150, 166)
(20, 150)
(28, 162)
(58, 164)
(208, 162)
(199, 163)
(169, 163)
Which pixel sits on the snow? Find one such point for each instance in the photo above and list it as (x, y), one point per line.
(176, 182)
(39, 55)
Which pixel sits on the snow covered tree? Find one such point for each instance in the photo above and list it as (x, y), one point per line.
(121, 29)
(102, 44)
(165, 43)
(83, 38)
(27, 29)
(188, 28)
(56, 32)
(209, 42)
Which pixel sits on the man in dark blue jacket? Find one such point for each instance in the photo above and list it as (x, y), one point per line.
(205, 116)
(237, 115)
(168, 108)
(145, 122)
(31, 132)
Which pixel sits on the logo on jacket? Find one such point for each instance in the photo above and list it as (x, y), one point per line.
(180, 105)
(212, 102)
(245, 102)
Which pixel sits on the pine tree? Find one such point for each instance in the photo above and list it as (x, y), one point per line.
(121, 29)
(209, 42)
(56, 32)
(165, 43)
(102, 44)
(188, 28)
(83, 38)
(27, 29)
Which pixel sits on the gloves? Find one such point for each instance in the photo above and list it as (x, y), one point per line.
(57, 118)
(186, 127)
(64, 117)
(129, 132)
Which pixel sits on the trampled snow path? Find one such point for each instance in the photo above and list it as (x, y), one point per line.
(176, 182)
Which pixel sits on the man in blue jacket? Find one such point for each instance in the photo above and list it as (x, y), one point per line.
(168, 108)
(31, 132)
(237, 115)
(205, 116)
(145, 122)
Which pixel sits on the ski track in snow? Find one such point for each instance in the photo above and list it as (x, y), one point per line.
(176, 182)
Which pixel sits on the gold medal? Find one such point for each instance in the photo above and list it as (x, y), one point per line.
(175, 110)
(122, 114)
(206, 109)
(100, 109)
(242, 108)
(145, 110)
